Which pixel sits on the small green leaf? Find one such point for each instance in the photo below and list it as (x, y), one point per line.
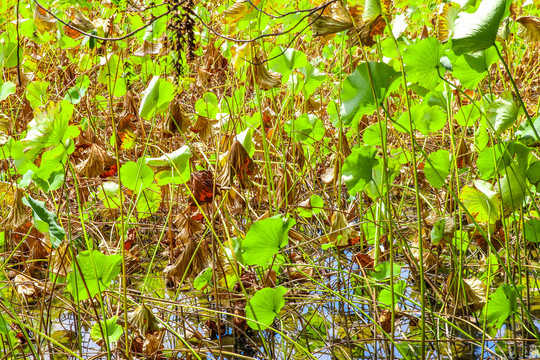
(531, 230)
(149, 201)
(265, 238)
(491, 161)
(287, 61)
(156, 97)
(482, 202)
(36, 93)
(437, 233)
(246, 139)
(306, 128)
(385, 271)
(533, 173)
(207, 105)
(385, 296)
(45, 221)
(136, 176)
(357, 169)
(467, 115)
(437, 168)
(111, 330)
(203, 279)
(264, 306)
(470, 69)
(528, 135)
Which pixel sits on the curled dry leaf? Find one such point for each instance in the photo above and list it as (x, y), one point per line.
(44, 22)
(385, 320)
(148, 48)
(5, 123)
(26, 287)
(238, 164)
(469, 294)
(529, 28)
(60, 261)
(126, 128)
(189, 227)
(235, 202)
(332, 19)
(96, 163)
(151, 344)
(430, 262)
(365, 261)
(205, 127)
(269, 278)
(202, 187)
(177, 120)
(447, 17)
(302, 271)
(296, 155)
(79, 22)
(258, 73)
(239, 10)
(340, 232)
(365, 33)
(18, 215)
(284, 189)
(192, 261)
(144, 320)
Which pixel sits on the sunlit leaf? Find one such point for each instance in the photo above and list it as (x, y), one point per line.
(265, 238)
(156, 97)
(45, 221)
(438, 168)
(423, 62)
(357, 95)
(502, 113)
(502, 303)
(107, 329)
(92, 273)
(477, 31)
(264, 306)
(136, 176)
(481, 202)
(357, 169)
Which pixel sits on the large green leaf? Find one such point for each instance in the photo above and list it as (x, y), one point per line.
(36, 93)
(423, 62)
(491, 161)
(474, 32)
(502, 113)
(92, 274)
(156, 97)
(45, 221)
(357, 94)
(357, 169)
(438, 168)
(264, 306)
(481, 202)
(265, 238)
(502, 303)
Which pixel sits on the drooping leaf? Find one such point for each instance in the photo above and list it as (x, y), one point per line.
(502, 113)
(45, 221)
(7, 88)
(265, 238)
(470, 69)
(481, 202)
(111, 330)
(531, 230)
(156, 97)
(92, 274)
(264, 306)
(357, 95)
(330, 20)
(438, 168)
(357, 169)
(423, 62)
(529, 28)
(477, 31)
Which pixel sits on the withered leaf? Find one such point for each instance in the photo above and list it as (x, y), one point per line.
(332, 19)
(529, 28)
(44, 22)
(202, 187)
(95, 164)
(80, 22)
